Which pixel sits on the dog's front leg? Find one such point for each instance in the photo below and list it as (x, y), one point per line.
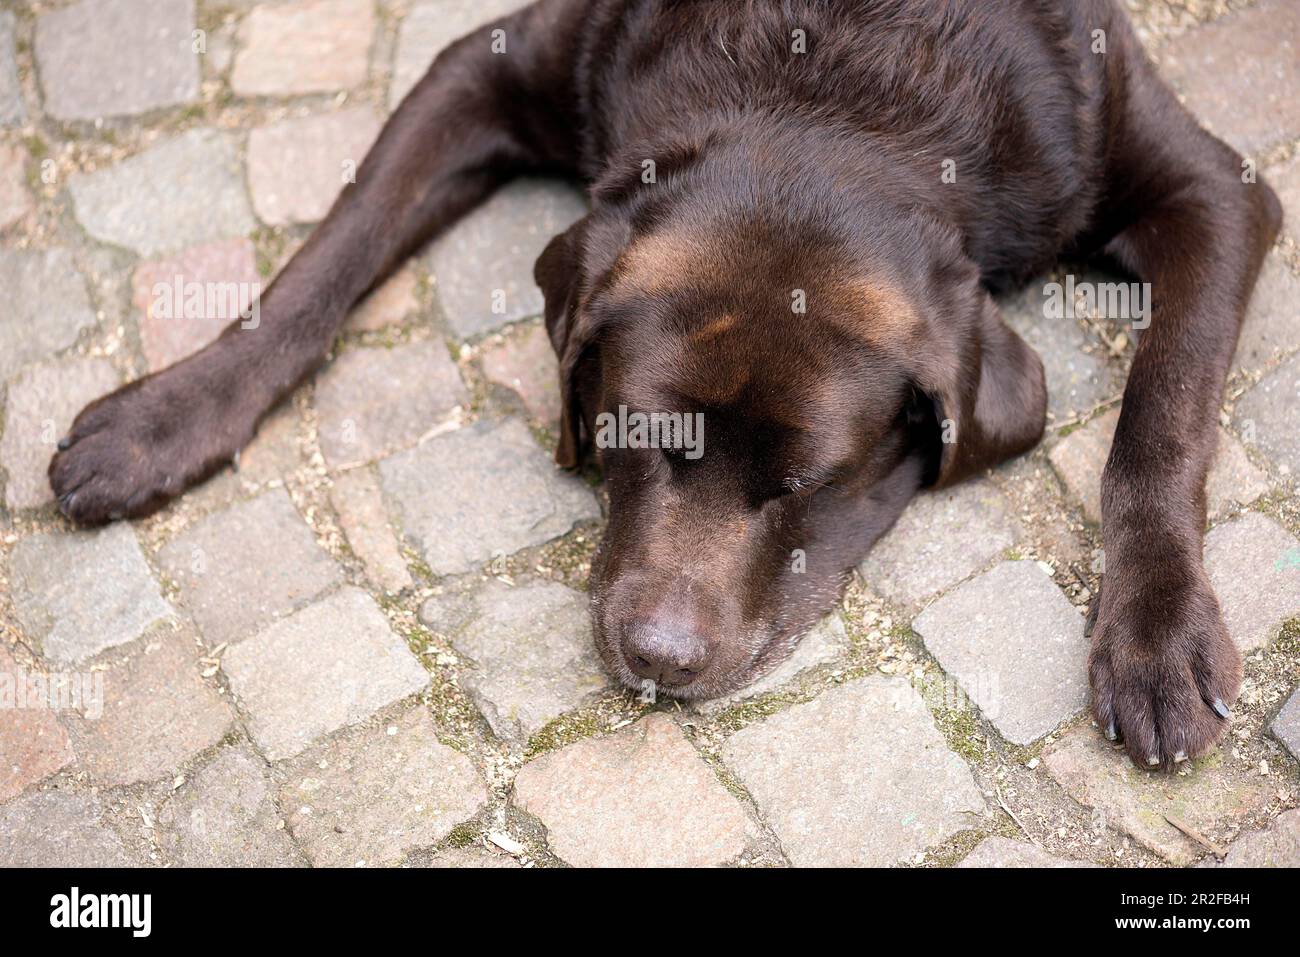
(1163, 668)
(481, 114)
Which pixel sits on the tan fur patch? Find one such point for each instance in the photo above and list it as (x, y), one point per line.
(880, 311)
(717, 327)
(657, 263)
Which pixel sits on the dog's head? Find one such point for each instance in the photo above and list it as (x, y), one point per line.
(762, 397)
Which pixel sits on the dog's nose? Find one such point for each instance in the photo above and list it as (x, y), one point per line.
(666, 654)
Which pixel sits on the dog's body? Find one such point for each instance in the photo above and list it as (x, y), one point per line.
(883, 163)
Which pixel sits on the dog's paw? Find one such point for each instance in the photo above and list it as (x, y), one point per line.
(1164, 674)
(130, 451)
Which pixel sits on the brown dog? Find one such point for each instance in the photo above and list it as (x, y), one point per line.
(803, 151)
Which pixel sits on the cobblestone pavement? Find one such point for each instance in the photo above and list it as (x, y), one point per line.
(370, 646)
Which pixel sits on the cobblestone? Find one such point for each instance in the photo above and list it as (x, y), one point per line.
(47, 307)
(181, 192)
(41, 403)
(310, 46)
(332, 664)
(859, 776)
(372, 401)
(531, 655)
(297, 167)
(483, 266)
(242, 568)
(482, 491)
(33, 743)
(79, 593)
(638, 798)
(58, 829)
(102, 58)
(1209, 797)
(373, 795)
(225, 816)
(1254, 566)
(1015, 644)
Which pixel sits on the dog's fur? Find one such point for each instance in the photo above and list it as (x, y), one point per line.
(779, 171)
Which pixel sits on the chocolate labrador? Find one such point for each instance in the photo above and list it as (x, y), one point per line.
(798, 209)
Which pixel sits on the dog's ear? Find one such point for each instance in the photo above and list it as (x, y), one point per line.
(987, 388)
(559, 273)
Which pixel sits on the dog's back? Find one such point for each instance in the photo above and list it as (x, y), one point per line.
(1005, 111)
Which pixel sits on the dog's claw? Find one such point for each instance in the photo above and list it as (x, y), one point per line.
(1110, 732)
(1180, 757)
(1221, 709)
(64, 443)
(1153, 760)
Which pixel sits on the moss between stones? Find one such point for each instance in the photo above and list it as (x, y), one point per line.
(564, 730)
(463, 835)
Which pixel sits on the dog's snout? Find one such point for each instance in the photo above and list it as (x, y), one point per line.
(667, 654)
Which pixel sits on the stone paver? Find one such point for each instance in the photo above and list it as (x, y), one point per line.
(372, 401)
(1287, 724)
(825, 642)
(357, 498)
(58, 829)
(156, 713)
(1080, 457)
(530, 652)
(1285, 180)
(859, 776)
(638, 798)
(459, 857)
(181, 192)
(33, 744)
(273, 453)
(41, 403)
(1269, 329)
(310, 46)
(1210, 795)
(225, 816)
(940, 539)
(297, 167)
(483, 490)
(1015, 644)
(1003, 852)
(1277, 845)
(483, 266)
(334, 663)
(376, 794)
(527, 365)
(1266, 415)
(1239, 74)
(431, 26)
(1076, 379)
(389, 304)
(47, 306)
(15, 200)
(184, 301)
(77, 593)
(12, 111)
(102, 58)
(242, 568)
(1254, 566)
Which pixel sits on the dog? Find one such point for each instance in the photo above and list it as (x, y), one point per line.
(886, 164)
